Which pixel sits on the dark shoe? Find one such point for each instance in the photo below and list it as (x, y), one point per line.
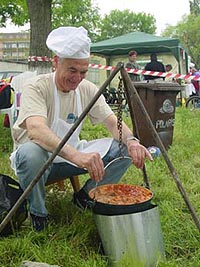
(82, 200)
(39, 223)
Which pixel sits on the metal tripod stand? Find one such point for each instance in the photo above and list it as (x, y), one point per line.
(132, 97)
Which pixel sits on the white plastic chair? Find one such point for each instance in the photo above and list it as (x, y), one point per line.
(11, 114)
(17, 84)
(19, 81)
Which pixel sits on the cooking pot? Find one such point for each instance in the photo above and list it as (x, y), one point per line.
(106, 208)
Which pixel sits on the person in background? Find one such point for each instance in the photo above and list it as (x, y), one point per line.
(50, 105)
(168, 69)
(132, 64)
(154, 65)
(196, 73)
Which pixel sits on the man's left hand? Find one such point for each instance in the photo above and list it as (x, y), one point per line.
(138, 153)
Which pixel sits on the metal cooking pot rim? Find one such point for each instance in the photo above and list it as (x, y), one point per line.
(115, 205)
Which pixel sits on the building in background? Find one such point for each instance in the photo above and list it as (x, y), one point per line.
(14, 46)
(14, 53)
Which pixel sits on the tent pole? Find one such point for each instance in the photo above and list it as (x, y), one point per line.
(108, 64)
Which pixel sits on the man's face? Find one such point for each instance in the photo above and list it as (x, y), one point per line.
(133, 58)
(70, 72)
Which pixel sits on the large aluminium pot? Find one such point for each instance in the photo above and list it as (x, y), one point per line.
(133, 206)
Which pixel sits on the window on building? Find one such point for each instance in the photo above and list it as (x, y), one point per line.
(14, 45)
(7, 45)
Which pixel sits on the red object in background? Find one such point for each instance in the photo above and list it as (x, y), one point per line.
(6, 122)
(196, 83)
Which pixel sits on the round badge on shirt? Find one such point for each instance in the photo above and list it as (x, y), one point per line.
(71, 118)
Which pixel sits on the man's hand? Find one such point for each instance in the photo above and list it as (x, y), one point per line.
(138, 153)
(93, 163)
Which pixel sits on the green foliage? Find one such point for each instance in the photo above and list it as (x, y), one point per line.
(195, 7)
(82, 13)
(14, 10)
(190, 36)
(170, 31)
(76, 13)
(6, 146)
(64, 13)
(187, 31)
(118, 23)
(72, 239)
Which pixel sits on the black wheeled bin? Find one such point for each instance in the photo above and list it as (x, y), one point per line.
(159, 99)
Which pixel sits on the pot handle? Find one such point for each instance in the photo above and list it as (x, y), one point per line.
(91, 203)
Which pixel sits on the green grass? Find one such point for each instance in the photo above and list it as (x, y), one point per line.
(72, 239)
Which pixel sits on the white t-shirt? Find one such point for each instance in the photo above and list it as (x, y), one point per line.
(38, 99)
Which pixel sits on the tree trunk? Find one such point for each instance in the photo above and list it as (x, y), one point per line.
(40, 26)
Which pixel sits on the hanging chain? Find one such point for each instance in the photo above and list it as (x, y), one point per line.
(119, 113)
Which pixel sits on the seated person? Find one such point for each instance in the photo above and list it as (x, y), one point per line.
(50, 105)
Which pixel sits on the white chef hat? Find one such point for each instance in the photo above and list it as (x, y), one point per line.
(69, 42)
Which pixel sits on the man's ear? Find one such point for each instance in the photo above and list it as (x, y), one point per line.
(54, 62)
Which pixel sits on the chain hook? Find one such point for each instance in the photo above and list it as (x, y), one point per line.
(119, 113)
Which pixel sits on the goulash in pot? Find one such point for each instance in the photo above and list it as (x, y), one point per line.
(120, 194)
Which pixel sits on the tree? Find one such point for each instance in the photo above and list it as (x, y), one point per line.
(40, 26)
(77, 13)
(118, 23)
(44, 15)
(15, 10)
(38, 13)
(189, 35)
(187, 31)
(195, 7)
(64, 13)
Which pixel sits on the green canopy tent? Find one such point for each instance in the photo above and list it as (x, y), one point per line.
(143, 43)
